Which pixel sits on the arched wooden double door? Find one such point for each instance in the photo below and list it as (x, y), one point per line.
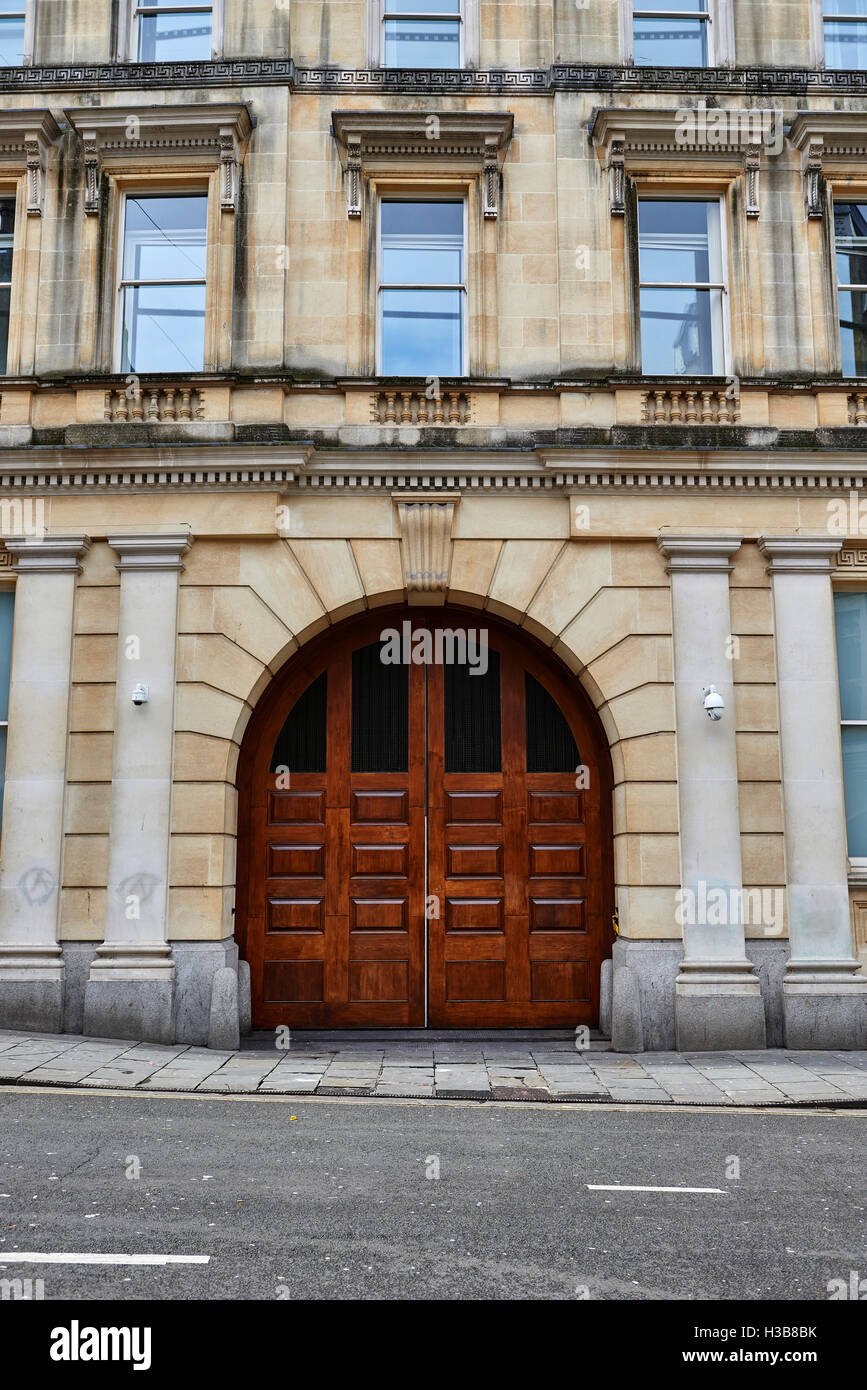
(424, 840)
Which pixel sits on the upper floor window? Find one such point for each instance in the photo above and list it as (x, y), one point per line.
(422, 33)
(674, 34)
(845, 26)
(163, 284)
(422, 288)
(850, 231)
(850, 612)
(7, 605)
(12, 21)
(171, 32)
(7, 231)
(682, 286)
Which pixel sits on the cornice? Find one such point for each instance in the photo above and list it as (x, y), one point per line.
(48, 554)
(800, 554)
(283, 468)
(146, 135)
(518, 81)
(476, 140)
(695, 554)
(25, 139)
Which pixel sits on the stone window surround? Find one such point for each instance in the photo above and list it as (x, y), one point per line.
(470, 32)
(176, 148)
(127, 36)
(833, 149)
(852, 578)
(26, 139)
(391, 152)
(721, 36)
(640, 152)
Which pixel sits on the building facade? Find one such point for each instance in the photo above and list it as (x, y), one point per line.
(434, 588)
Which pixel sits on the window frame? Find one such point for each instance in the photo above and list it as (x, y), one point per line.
(119, 310)
(857, 863)
(660, 195)
(844, 200)
(128, 34)
(720, 28)
(819, 46)
(470, 33)
(424, 197)
(28, 10)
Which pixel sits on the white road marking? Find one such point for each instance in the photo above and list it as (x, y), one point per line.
(622, 1187)
(32, 1257)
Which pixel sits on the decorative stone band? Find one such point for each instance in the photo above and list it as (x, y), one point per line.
(699, 554)
(25, 140)
(800, 554)
(426, 533)
(852, 560)
(389, 141)
(638, 139)
(48, 554)
(566, 77)
(148, 136)
(417, 408)
(151, 551)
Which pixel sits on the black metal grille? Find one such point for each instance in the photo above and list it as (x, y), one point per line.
(302, 745)
(473, 742)
(380, 713)
(551, 746)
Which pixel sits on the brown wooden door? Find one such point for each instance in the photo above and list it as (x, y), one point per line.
(515, 849)
(415, 848)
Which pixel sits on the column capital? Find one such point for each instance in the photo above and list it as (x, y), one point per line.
(800, 554)
(151, 550)
(48, 554)
(699, 554)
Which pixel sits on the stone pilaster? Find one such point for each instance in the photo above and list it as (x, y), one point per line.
(131, 988)
(824, 996)
(718, 1002)
(31, 963)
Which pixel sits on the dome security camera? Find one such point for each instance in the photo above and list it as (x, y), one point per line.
(140, 695)
(714, 704)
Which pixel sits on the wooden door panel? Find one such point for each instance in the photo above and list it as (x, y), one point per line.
(517, 865)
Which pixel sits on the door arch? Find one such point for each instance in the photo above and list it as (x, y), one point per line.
(417, 843)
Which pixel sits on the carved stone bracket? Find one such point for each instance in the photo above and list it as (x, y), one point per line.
(752, 165)
(124, 137)
(426, 535)
(649, 141)
(617, 177)
(25, 139)
(400, 141)
(832, 144)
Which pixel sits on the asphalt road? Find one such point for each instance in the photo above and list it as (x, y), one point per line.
(332, 1199)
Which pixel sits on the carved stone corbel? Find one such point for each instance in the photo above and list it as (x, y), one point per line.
(353, 176)
(426, 536)
(617, 176)
(35, 177)
(228, 169)
(752, 164)
(492, 178)
(813, 178)
(91, 173)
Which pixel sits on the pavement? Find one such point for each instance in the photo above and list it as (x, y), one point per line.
(274, 1197)
(537, 1066)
